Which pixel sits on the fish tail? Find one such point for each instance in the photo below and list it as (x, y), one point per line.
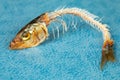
(107, 53)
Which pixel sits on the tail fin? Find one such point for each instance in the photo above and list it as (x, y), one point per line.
(107, 53)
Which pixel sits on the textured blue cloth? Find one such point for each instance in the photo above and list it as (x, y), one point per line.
(76, 55)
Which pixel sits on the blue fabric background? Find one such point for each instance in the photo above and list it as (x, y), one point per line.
(76, 55)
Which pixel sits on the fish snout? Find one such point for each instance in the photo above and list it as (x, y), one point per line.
(15, 43)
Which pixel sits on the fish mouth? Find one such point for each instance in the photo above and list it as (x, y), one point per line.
(11, 47)
(16, 44)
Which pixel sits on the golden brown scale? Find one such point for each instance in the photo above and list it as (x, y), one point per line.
(107, 52)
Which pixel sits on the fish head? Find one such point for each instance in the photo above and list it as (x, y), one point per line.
(29, 36)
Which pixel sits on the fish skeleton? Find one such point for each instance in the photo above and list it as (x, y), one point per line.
(36, 31)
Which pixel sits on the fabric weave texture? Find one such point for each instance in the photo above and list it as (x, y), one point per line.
(76, 55)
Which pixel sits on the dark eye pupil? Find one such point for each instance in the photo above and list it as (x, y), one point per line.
(25, 34)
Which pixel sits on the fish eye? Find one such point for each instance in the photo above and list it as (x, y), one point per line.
(26, 36)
